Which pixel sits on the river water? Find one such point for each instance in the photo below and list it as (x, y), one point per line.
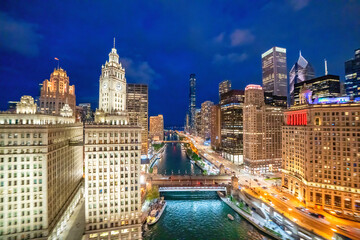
(195, 215)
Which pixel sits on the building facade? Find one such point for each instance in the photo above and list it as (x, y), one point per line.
(206, 119)
(157, 128)
(224, 87)
(198, 125)
(137, 106)
(232, 125)
(274, 71)
(352, 75)
(192, 102)
(112, 162)
(321, 154)
(56, 92)
(300, 72)
(215, 127)
(327, 86)
(262, 133)
(41, 172)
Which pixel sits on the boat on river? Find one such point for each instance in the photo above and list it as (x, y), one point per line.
(230, 217)
(156, 211)
(192, 161)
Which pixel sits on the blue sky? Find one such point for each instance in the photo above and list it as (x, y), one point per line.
(161, 42)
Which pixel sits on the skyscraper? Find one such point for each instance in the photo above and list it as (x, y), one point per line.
(224, 87)
(41, 170)
(157, 127)
(352, 75)
(137, 104)
(192, 102)
(262, 132)
(206, 119)
(274, 71)
(56, 92)
(112, 162)
(232, 125)
(215, 127)
(198, 125)
(301, 71)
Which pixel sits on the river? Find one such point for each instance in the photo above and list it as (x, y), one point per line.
(195, 215)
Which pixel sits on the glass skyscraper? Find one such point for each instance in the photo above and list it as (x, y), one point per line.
(352, 75)
(274, 71)
(300, 72)
(192, 103)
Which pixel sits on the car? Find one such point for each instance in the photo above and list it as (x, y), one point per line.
(342, 228)
(284, 198)
(274, 194)
(264, 187)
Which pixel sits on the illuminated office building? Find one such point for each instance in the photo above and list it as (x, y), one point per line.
(321, 152)
(321, 87)
(57, 92)
(215, 127)
(112, 162)
(232, 125)
(262, 132)
(300, 72)
(41, 171)
(224, 87)
(352, 75)
(157, 128)
(274, 71)
(137, 106)
(192, 102)
(198, 125)
(206, 119)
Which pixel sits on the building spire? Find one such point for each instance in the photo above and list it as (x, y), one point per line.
(326, 70)
(114, 42)
(300, 53)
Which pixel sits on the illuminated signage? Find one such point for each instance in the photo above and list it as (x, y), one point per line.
(332, 100)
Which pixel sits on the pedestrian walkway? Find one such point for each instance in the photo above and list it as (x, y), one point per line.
(75, 227)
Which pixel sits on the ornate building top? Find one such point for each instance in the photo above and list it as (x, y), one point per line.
(26, 105)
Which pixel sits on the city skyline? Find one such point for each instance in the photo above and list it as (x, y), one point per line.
(230, 49)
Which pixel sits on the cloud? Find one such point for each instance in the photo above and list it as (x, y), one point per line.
(219, 38)
(139, 72)
(19, 36)
(241, 37)
(298, 4)
(229, 58)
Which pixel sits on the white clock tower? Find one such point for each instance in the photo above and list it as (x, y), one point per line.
(112, 92)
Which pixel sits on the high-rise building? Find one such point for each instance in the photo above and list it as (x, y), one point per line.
(325, 86)
(112, 162)
(87, 114)
(41, 171)
(300, 72)
(57, 92)
(198, 125)
(157, 127)
(206, 119)
(137, 106)
(274, 71)
(224, 87)
(352, 75)
(192, 102)
(321, 155)
(215, 127)
(262, 132)
(232, 125)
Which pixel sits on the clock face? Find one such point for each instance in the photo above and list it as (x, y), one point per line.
(118, 86)
(105, 85)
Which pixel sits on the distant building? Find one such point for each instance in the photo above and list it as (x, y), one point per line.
(276, 101)
(224, 87)
(232, 125)
(41, 168)
(206, 119)
(157, 128)
(325, 86)
(274, 71)
(352, 75)
(320, 160)
(262, 133)
(215, 127)
(87, 113)
(198, 124)
(137, 106)
(300, 72)
(192, 102)
(12, 106)
(56, 92)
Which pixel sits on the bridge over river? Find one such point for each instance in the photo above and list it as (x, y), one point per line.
(188, 180)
